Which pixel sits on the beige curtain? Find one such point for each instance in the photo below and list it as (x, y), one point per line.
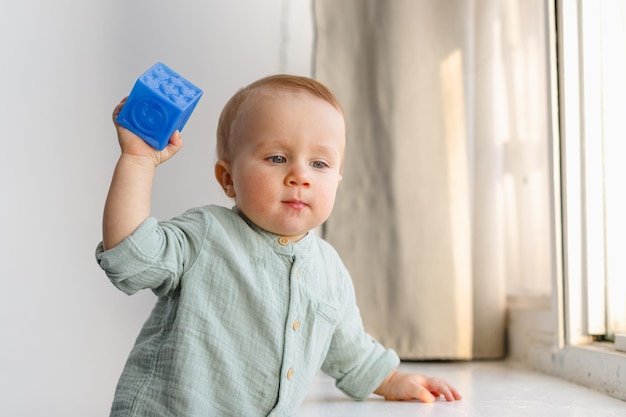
(421, 218)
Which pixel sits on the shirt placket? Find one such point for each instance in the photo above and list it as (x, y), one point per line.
(292, 360)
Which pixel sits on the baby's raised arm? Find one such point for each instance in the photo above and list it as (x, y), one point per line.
(128, 200)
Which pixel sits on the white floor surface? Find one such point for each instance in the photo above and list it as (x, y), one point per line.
(489, 389)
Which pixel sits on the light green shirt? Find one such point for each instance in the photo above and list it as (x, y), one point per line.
(242, 323)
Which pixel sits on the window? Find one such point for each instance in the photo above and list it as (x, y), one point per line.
(571, 337)
(593, 63)
(605, 21)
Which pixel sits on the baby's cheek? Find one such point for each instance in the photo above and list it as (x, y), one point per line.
(330, 196)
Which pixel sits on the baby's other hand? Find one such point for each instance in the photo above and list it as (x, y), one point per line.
(135, 147)
(401, 386)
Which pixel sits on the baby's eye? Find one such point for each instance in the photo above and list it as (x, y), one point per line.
(277, 159)
(319, 164)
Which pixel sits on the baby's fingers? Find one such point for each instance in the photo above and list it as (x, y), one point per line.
(423, 394)
(118, 108)
(175, 144)
(439, 387)
(455, 396)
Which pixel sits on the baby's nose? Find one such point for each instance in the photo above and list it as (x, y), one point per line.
(298, 175)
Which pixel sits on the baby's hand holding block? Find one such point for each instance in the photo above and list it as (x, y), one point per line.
(159, 104)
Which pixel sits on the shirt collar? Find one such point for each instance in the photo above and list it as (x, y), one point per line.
(279, 244)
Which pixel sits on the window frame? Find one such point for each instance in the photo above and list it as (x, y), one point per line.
(553, 334)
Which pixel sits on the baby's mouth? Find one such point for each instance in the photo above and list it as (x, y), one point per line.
(296, 204)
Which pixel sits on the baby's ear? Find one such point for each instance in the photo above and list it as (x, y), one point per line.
(222, 174)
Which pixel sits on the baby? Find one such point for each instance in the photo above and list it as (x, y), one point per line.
(251, 302)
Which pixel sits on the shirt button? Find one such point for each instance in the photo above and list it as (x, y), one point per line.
(297, 273)
(283, 241)
(296, 325)
(290, 373)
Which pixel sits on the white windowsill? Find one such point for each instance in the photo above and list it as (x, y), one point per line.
(598, 366)
(534, 341)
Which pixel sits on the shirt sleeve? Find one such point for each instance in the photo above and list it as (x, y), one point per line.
(155, 255)
(356, 360)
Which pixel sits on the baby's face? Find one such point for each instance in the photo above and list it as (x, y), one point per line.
(287, 155)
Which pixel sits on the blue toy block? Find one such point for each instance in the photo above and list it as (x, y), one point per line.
(159, 104)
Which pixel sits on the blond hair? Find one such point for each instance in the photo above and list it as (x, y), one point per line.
(272, 82)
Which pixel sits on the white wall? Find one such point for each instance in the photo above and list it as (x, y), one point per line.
(66, 331)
